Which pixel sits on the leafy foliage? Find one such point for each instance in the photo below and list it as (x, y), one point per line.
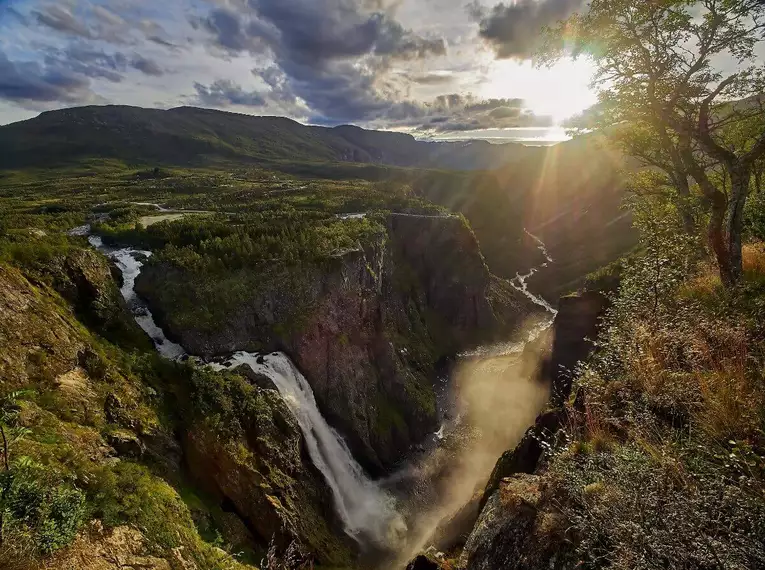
(664, 98)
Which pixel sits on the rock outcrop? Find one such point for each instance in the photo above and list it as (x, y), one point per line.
(365, 327)
(524, 459)
(422, 562)
(575, 329)
(251, 458)
(91, 423)
(517, 530)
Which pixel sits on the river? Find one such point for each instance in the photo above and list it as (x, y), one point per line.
(367, 511)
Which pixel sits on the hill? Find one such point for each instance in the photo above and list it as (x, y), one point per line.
(194, 137)
(569, 194)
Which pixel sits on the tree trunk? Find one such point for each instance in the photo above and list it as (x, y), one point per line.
(717, 237)
(734, 222)
(680, 180)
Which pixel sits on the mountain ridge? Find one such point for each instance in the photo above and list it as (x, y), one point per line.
(197, 136)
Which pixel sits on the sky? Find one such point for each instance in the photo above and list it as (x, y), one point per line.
(449, 69)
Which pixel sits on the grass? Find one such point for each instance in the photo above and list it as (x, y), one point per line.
(665, 467)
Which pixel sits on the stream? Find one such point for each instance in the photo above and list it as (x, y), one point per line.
(521, 281)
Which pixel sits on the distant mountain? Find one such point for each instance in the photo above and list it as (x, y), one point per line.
(197, 137)
(568, 194)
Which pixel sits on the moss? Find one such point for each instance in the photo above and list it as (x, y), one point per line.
(389, 419)
(422, 396)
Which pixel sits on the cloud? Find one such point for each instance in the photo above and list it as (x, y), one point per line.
(61, 19)
(107, 16)
(21, 18)
(455, 112)
(29, 82)
(83, 59)
(115, 23)
(147, 66)
(513, 30)
(431, 78)
(96, 63)
(223, 93)
(331, 54)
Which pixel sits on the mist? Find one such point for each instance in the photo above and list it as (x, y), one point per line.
(497, 398)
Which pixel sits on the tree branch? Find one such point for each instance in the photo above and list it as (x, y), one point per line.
(704, 134)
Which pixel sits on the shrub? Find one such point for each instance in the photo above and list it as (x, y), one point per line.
(37, 510)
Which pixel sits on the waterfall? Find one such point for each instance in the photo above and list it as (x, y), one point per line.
(368, 512)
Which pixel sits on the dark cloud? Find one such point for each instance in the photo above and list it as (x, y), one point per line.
(514, 29)
(147, 66)
(115, 24)
(320, 30)
(83, 59)
(29, 82)
(62, 20)
(455, 112)
(223, 93)
(331, 53)
(162, 41)
(229, 29)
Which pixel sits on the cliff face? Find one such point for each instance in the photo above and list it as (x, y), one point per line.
(518, 526)
(251, 457)
(97, 417)
(365, 327)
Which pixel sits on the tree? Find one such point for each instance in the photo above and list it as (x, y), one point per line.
(686, 73)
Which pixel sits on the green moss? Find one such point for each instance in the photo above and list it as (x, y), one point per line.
(389, 419)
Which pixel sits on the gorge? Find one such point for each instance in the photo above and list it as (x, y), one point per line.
(367, 510)
(320, 368)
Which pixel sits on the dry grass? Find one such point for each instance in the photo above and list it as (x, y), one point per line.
(704, 284)
(754, 259)
(701, 374)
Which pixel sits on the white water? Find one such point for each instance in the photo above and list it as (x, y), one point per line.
(368, 512)
(129, 263)
(521, 281)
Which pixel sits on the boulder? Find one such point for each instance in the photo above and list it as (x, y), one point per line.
(526, 455)
(422, 562)
(517, 530)
(126, 444)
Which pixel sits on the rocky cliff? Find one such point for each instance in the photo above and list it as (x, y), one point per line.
(365, 327)
(146, 462)
(519, 526)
